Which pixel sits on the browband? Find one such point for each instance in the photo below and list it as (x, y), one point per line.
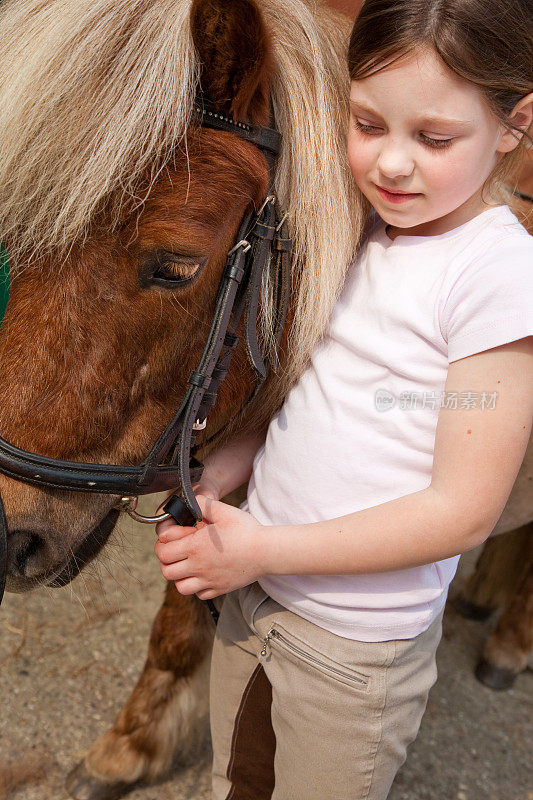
(208, 116)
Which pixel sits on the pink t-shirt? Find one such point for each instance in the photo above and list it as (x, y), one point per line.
(358, 429)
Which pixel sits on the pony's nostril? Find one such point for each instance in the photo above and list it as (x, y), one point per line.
(22, 545)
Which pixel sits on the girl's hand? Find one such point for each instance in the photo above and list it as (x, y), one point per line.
(223, 553)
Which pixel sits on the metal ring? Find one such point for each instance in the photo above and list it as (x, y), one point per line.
(129, 504)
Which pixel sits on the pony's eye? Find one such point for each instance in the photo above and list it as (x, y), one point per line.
(171, 270)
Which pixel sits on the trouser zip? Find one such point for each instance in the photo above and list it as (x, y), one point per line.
(275, 635)
(266, 641)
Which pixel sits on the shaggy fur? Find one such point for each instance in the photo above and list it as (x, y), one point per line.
(96, 96)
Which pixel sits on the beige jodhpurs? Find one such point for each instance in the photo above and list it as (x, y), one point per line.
(298, 713)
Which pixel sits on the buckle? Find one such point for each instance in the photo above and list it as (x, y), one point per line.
(244, 243)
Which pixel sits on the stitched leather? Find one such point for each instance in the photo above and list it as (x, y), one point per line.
(208, 116)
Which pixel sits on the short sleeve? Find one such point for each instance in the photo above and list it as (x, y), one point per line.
(491, 300)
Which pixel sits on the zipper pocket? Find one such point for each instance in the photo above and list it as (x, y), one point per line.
(274, 635)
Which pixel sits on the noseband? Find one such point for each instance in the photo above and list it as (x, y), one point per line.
(262, 244)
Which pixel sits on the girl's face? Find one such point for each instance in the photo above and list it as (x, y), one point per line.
(422, 143)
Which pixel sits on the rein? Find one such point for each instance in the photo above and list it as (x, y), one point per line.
(262, 244)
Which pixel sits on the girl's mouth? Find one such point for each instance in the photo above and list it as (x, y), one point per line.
(396, 196)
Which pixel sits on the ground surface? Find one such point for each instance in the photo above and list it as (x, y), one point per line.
(69, 657)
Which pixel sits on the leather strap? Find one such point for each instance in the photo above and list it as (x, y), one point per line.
(262, 235)
(209, 116)
(171, 461)
(281, 280)
(3, 550)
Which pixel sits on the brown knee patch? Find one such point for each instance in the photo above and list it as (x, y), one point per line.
(251, 765)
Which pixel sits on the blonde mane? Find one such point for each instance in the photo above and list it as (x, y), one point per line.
(96, 93)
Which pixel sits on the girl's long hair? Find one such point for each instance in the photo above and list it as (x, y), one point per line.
(487, 42)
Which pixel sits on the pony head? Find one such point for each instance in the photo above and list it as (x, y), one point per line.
(106, 183)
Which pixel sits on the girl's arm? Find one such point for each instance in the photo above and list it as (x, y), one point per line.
(230, 467)
(476, 459)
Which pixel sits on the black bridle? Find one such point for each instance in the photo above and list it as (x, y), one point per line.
(262, 244)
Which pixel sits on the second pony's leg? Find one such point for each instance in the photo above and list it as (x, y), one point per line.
(508, 648)
(165, 714)
(500, 569)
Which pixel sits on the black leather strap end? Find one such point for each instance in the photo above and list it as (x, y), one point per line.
(284, 245)
(219, 375)
(206, 405)
(266, 232)
(230, 340)
(178, 510)
(199, 379)
(235, 273)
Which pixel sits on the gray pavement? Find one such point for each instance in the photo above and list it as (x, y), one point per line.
(69, 657)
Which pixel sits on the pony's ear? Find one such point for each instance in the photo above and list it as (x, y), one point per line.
(236, 56)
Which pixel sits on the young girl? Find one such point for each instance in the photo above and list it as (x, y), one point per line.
(397, 449)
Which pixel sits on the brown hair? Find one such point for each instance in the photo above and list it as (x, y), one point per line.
(486, 42)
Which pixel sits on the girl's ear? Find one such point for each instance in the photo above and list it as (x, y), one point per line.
(521, 116)
(236, 57)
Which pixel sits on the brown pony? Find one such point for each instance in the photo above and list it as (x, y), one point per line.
(106, 181)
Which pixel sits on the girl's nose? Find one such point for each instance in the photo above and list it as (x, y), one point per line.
(395, 162)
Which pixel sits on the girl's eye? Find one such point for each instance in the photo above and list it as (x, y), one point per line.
(437, 144)
(366, 127)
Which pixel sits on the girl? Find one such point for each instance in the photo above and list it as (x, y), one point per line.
(398, 447)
